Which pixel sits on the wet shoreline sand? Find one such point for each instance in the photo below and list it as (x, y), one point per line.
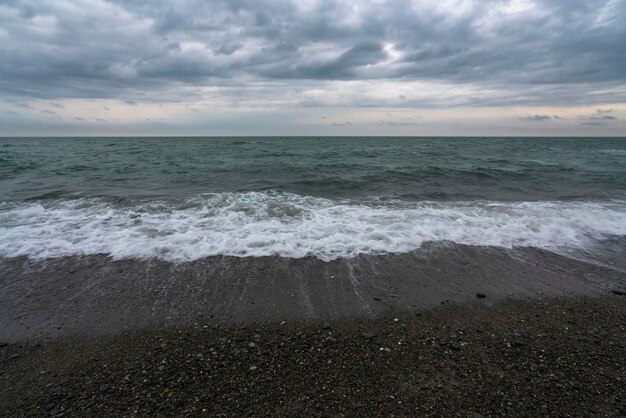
(95, 295)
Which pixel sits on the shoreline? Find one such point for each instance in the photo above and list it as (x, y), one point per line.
(559, 356)
(95, 295)
(449, 330)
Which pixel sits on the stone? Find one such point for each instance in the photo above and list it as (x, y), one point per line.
(454, 346)
(14, 356)
(481, 295)
(3, 344)
(326, 325)
(619, 292)
(367, 335)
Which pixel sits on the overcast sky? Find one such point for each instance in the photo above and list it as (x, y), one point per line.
(251, 67)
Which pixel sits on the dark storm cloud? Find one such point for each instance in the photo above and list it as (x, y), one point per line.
(345, 66)
(537, 52)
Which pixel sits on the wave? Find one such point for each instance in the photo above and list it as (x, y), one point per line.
(291, 225)
(613, 151)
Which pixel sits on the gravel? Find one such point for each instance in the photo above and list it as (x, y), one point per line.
(552, 357)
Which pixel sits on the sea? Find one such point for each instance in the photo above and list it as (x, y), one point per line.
(181, 199)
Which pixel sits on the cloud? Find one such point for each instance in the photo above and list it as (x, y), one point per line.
(395, 123)
(537, 118)
(599, 117)
(98, 49)
(537, 56)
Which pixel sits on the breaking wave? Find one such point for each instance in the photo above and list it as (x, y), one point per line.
(290, 225)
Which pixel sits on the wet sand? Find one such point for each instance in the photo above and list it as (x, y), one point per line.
(95, 295)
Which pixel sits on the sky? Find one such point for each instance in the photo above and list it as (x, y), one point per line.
(309, 67)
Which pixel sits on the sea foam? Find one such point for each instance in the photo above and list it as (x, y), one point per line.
(290, 225)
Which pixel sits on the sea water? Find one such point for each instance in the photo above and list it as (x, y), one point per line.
(182, 199)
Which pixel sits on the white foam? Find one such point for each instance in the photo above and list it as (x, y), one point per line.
(289, 225)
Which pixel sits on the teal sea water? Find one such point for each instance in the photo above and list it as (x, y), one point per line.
(186, 198)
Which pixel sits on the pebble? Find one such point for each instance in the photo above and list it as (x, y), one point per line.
(481, 295)
(376, 298)
(283, 322)
(13, 356)
(454, 346)
(174, 391)
(326, 325)
(3, 344)
(619, 292)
